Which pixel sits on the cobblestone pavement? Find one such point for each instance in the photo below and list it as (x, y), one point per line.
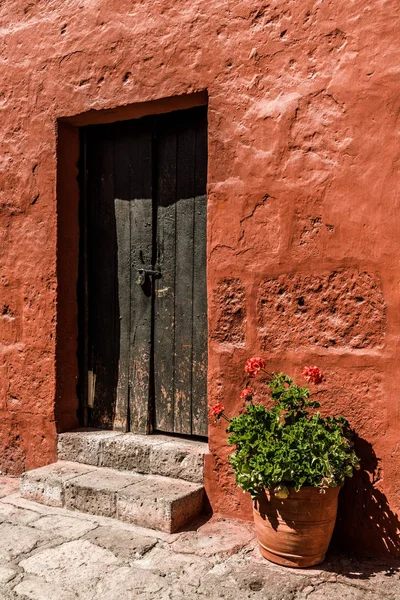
(48, 553)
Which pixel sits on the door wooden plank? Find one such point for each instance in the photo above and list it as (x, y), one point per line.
(92, 195)
(104, 339)
(200, 333)
(141, 250)
(83, 322)
(164, 302)
(122, 175)
(184, 276)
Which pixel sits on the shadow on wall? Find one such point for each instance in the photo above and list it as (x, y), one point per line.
(366, 526)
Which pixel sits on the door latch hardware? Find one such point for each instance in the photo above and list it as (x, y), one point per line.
(143, 273)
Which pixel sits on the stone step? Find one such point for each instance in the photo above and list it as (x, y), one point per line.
(154, 454)
(151, 501)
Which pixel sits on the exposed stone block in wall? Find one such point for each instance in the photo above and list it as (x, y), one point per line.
(319, 135)
(230, 311)
(18, 175)
(315, 114)
(261, 228)
(310, 233)
(341, 309)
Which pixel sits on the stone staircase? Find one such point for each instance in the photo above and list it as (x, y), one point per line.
(152, 481)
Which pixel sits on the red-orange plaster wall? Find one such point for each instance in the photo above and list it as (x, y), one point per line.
(303, 217)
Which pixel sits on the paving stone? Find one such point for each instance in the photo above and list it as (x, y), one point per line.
(18, 539)
(18, 516)
(124, 544)
(128, 452)
(46, 485)
(8, 572)
(67, 527)
(174, 566)
(240, 578)
(83, 446)
(7, 594)
(95, 492)
(222, 537)
(369, 576)
(132, 583)
(8, 485)
(36, 588)
(19, 502)
(160, 503)
(74, 566)
(334, 591)
(179, 459)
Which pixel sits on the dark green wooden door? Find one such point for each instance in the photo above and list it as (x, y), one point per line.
(144, 338)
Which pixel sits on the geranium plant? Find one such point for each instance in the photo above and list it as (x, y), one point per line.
(289, 444)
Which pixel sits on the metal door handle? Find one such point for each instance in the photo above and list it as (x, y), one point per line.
(143, 273)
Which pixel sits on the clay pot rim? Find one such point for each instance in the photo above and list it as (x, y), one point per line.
(304, 491)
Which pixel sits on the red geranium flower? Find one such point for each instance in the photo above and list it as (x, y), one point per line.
(217, 410)
(247, 394)
(254, 365)
(312, 374)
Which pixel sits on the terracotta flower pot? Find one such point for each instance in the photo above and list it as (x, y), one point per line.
(296, 531)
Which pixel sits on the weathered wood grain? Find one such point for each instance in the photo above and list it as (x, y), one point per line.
(164, 302)
(122, 177)
(102, 283)
(184, 276)
(141, 252)
(200, 330)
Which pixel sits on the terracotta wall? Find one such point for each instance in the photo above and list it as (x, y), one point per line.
(304, 227)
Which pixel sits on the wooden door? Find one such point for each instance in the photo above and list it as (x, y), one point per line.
(144, 340)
